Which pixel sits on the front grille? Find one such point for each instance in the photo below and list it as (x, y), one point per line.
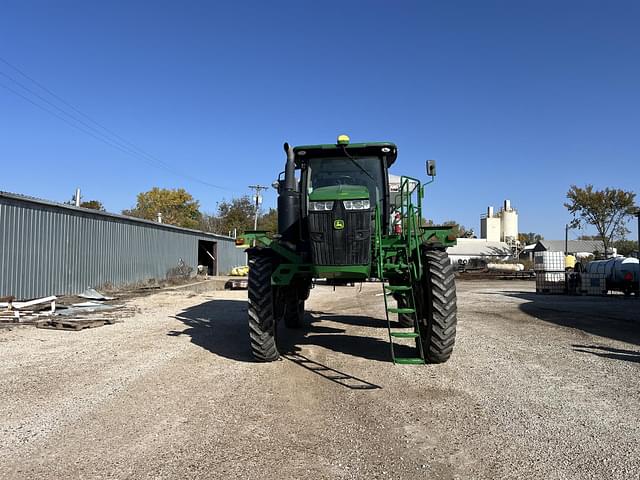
(348, 246)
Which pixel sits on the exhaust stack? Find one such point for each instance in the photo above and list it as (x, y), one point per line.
(288, 199)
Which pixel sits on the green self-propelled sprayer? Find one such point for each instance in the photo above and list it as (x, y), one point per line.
(344, 218)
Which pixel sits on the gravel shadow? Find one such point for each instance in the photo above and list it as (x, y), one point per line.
(609, 352)
(220, 326)
(617, 318)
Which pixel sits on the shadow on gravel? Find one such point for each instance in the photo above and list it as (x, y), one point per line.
(336, 376)
(609, 352)
(617, 318)
(356, 320)
(220, 326)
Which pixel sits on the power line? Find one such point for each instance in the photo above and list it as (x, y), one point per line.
(51, 112)
(62, 100)
(102, 137)
(124, 144)
(110, 138)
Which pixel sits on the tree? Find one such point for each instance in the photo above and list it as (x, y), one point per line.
(177, 207)
(458, 230)
(626, 247)
(210, 223)
(269, 221)
(93, 205)
(588, 237)
(607, 210)
(529, 238)
(236, 214)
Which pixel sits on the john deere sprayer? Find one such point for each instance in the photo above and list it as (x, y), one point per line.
(342, 217)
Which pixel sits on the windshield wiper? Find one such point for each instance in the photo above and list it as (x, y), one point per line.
(353, 160)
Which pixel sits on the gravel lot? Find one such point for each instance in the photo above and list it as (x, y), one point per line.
(539, 387)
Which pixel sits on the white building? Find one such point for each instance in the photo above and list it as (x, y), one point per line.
(477, 252)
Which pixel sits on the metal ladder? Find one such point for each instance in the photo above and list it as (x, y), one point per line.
(411, 309)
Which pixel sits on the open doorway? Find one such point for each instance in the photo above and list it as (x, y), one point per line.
(208, 256)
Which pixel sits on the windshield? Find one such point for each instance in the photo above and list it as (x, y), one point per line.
(363, 171)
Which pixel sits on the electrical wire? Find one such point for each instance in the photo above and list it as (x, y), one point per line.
(110, 138)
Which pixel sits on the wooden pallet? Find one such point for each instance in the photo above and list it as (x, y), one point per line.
(74, 324)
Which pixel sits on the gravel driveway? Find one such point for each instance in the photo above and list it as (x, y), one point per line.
(539, 387)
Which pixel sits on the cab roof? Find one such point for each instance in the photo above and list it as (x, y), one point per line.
(354, 149)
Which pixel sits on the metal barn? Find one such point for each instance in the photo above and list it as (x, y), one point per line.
(49, 248)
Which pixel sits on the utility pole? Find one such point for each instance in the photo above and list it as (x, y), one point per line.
(638, 215)
(638, 251)
(258, 199)
(566, 239)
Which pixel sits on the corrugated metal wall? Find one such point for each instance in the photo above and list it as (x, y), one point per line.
(49, 249)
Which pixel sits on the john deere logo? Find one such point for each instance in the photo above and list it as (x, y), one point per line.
(338, 224)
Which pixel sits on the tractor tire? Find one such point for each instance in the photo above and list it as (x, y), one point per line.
(262, 318)
(439, 309)
(404, 319)
(293, 311)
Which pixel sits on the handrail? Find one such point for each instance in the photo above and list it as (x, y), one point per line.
(411, 215)
(378, 241)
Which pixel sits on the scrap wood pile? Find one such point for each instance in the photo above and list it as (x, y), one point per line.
(48, 312)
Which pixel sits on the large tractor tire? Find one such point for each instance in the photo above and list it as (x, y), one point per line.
(404, 319)
(293, 311)
(262, 317)
(439, 309)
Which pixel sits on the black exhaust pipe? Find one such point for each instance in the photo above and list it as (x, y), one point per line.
(289, 200)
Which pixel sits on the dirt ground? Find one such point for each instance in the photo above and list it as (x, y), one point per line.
(539, 387)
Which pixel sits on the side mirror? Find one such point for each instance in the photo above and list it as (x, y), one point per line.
(278, 183)
(431, 168)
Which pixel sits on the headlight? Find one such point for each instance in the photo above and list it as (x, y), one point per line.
(356, 204)
(320, 206)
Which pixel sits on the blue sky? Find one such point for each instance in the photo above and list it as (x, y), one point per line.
(514, 99)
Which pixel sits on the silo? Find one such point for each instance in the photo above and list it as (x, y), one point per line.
(490, 226)
(508, 222)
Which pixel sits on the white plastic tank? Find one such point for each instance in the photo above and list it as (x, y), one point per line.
(505, 267)
(549, 262)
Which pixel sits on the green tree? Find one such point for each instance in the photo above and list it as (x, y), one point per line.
(588, 237)
(458, 230)
(269, 221)
(626, 247)
(177, 207)
(93, 205)
(210, 223)
(529, 238)
(238, 214)
(607, 210)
